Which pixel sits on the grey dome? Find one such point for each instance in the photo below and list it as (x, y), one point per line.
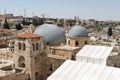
(52, 34)
(78, 31)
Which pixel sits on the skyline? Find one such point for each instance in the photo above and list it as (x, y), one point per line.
(99, 10)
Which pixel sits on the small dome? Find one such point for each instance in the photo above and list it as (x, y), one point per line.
(78, 31)
(52, 34)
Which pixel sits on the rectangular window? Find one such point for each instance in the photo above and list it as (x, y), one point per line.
(19, 46)
(24, 46)
(33, 47)
(36, 46)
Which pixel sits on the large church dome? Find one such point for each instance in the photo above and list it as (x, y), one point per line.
(78, 31)
(52, 34)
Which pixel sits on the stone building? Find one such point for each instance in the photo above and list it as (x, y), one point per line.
(114, 61)
(5, 36)
(7, 69)
(27, 54)
(58, 47)
(77, 36)
(38, 55)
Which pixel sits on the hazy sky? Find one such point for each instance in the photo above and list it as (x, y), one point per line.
(97, 9)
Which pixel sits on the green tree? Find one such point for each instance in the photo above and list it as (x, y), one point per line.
(24, 22)
(110, 31)
(18, 26)
(6, 25)
(98, 28)
(40, 22)
(34, 22)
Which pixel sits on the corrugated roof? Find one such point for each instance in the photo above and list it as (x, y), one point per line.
(94, 54)
(74, 70)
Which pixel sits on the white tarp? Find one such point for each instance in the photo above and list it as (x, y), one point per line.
(75, 70)
(94, 54)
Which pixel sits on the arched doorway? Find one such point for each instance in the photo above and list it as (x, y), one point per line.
(21, 62)
(86, 42)
(28, 76)
(51, 67)
(76, 43)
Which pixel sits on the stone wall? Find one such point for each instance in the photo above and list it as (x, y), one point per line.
(114, 61)
(78, 41)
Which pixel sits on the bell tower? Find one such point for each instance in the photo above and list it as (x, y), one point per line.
(28, 48)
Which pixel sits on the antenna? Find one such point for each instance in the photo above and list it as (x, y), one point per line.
(33, 14)
(43, 15)
(5, 11)
(24, 12)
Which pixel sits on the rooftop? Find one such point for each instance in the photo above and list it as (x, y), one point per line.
(5, 63)
(4, 50)
(28, 35)
(57, 57)
(4, 31)
(66, 47)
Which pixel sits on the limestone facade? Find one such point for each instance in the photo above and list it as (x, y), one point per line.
(54, 56)
(114, 61)
(38, 60)
(78, 41)
(27, 54)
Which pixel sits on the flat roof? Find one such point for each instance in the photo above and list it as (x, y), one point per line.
(4, 50)
(4, 63)
(65, 47)
(5, 73)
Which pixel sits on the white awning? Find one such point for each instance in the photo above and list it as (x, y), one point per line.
(75, 70)
(94, 54)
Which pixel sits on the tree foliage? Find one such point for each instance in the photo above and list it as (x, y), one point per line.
(25, 23)
(36, 22)
(18, 26)
(6, 25)
(110, 31)
(98, 28)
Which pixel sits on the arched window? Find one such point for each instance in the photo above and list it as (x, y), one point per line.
(19, 46)
(51, 67)
(33, 45)
(28, 77)
(24, 47)
(68, 42)
(53, 52)
(86, 42)
(117, 39)
(36, 46)
(77, 43)
(21, 62)
(36, 75)
(22, 65)
(73, 57)
(115, 65)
